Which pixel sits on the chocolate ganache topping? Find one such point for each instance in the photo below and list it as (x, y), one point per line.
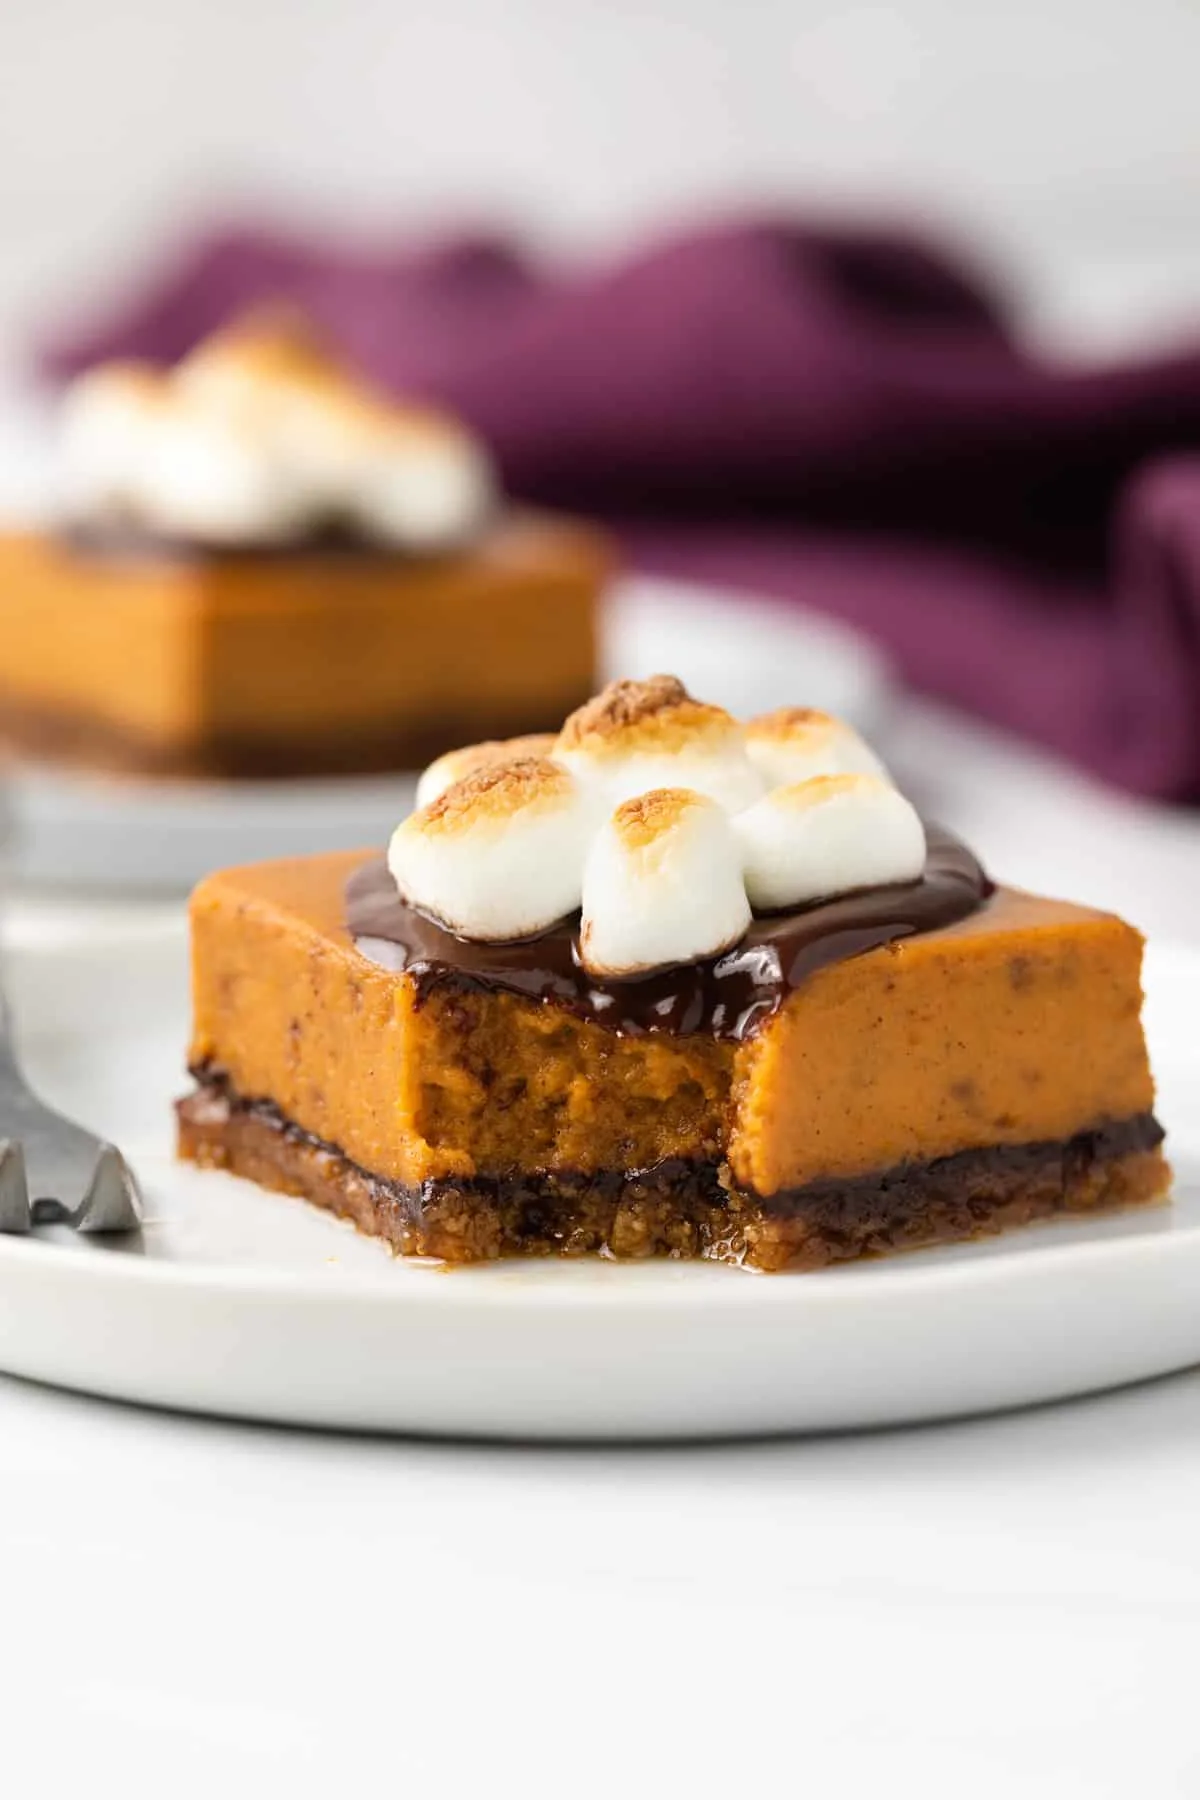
(125, 540)
(729, 996)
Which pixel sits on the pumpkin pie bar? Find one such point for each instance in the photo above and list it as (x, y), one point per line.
(760, 1013)
(264, 568)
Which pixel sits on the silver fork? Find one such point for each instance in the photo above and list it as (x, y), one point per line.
(44, 1158)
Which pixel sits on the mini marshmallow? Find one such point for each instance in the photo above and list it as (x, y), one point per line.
(213, 478)
(829, 835)
(426, 486)
(109, 418)
(270, 372)
(662, 885)
(498, 855)
(455, 765)
(639, 735)
(265, 358)
(796, 742)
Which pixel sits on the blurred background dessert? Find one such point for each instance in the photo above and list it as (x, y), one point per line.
(264, 566)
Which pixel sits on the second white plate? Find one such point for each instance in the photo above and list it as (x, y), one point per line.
(100, 834)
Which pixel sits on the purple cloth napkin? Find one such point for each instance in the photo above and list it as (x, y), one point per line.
(836, 416)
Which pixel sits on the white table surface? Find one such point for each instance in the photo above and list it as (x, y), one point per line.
(998, 1607)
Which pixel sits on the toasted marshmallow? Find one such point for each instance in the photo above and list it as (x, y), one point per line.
(271, 374)
(639, 735)
(827, 836)
(262, 359)
(662, 885)
(498, 855)
(456, 765)
(214, 478)
(406, 475)
(796, 742)
(424, 484)
(109, 420)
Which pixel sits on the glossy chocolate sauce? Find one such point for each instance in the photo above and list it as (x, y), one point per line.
(729, 996)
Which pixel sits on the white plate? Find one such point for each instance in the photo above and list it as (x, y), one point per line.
(253, 1305)
(102, 834)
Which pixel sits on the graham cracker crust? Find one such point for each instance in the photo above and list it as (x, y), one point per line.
(681, 1209)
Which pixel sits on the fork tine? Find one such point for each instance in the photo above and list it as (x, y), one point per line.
(15, 1213)
(113, 1201)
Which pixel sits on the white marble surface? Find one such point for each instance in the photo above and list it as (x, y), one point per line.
(993, 1609)
(989, 1608)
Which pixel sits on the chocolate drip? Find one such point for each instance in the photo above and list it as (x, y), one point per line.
(729, 996)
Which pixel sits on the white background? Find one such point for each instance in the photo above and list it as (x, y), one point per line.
(1063, 134)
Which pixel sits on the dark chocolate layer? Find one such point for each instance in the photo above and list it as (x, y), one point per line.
(681, 1208)
(729, 997)
(125, 541)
